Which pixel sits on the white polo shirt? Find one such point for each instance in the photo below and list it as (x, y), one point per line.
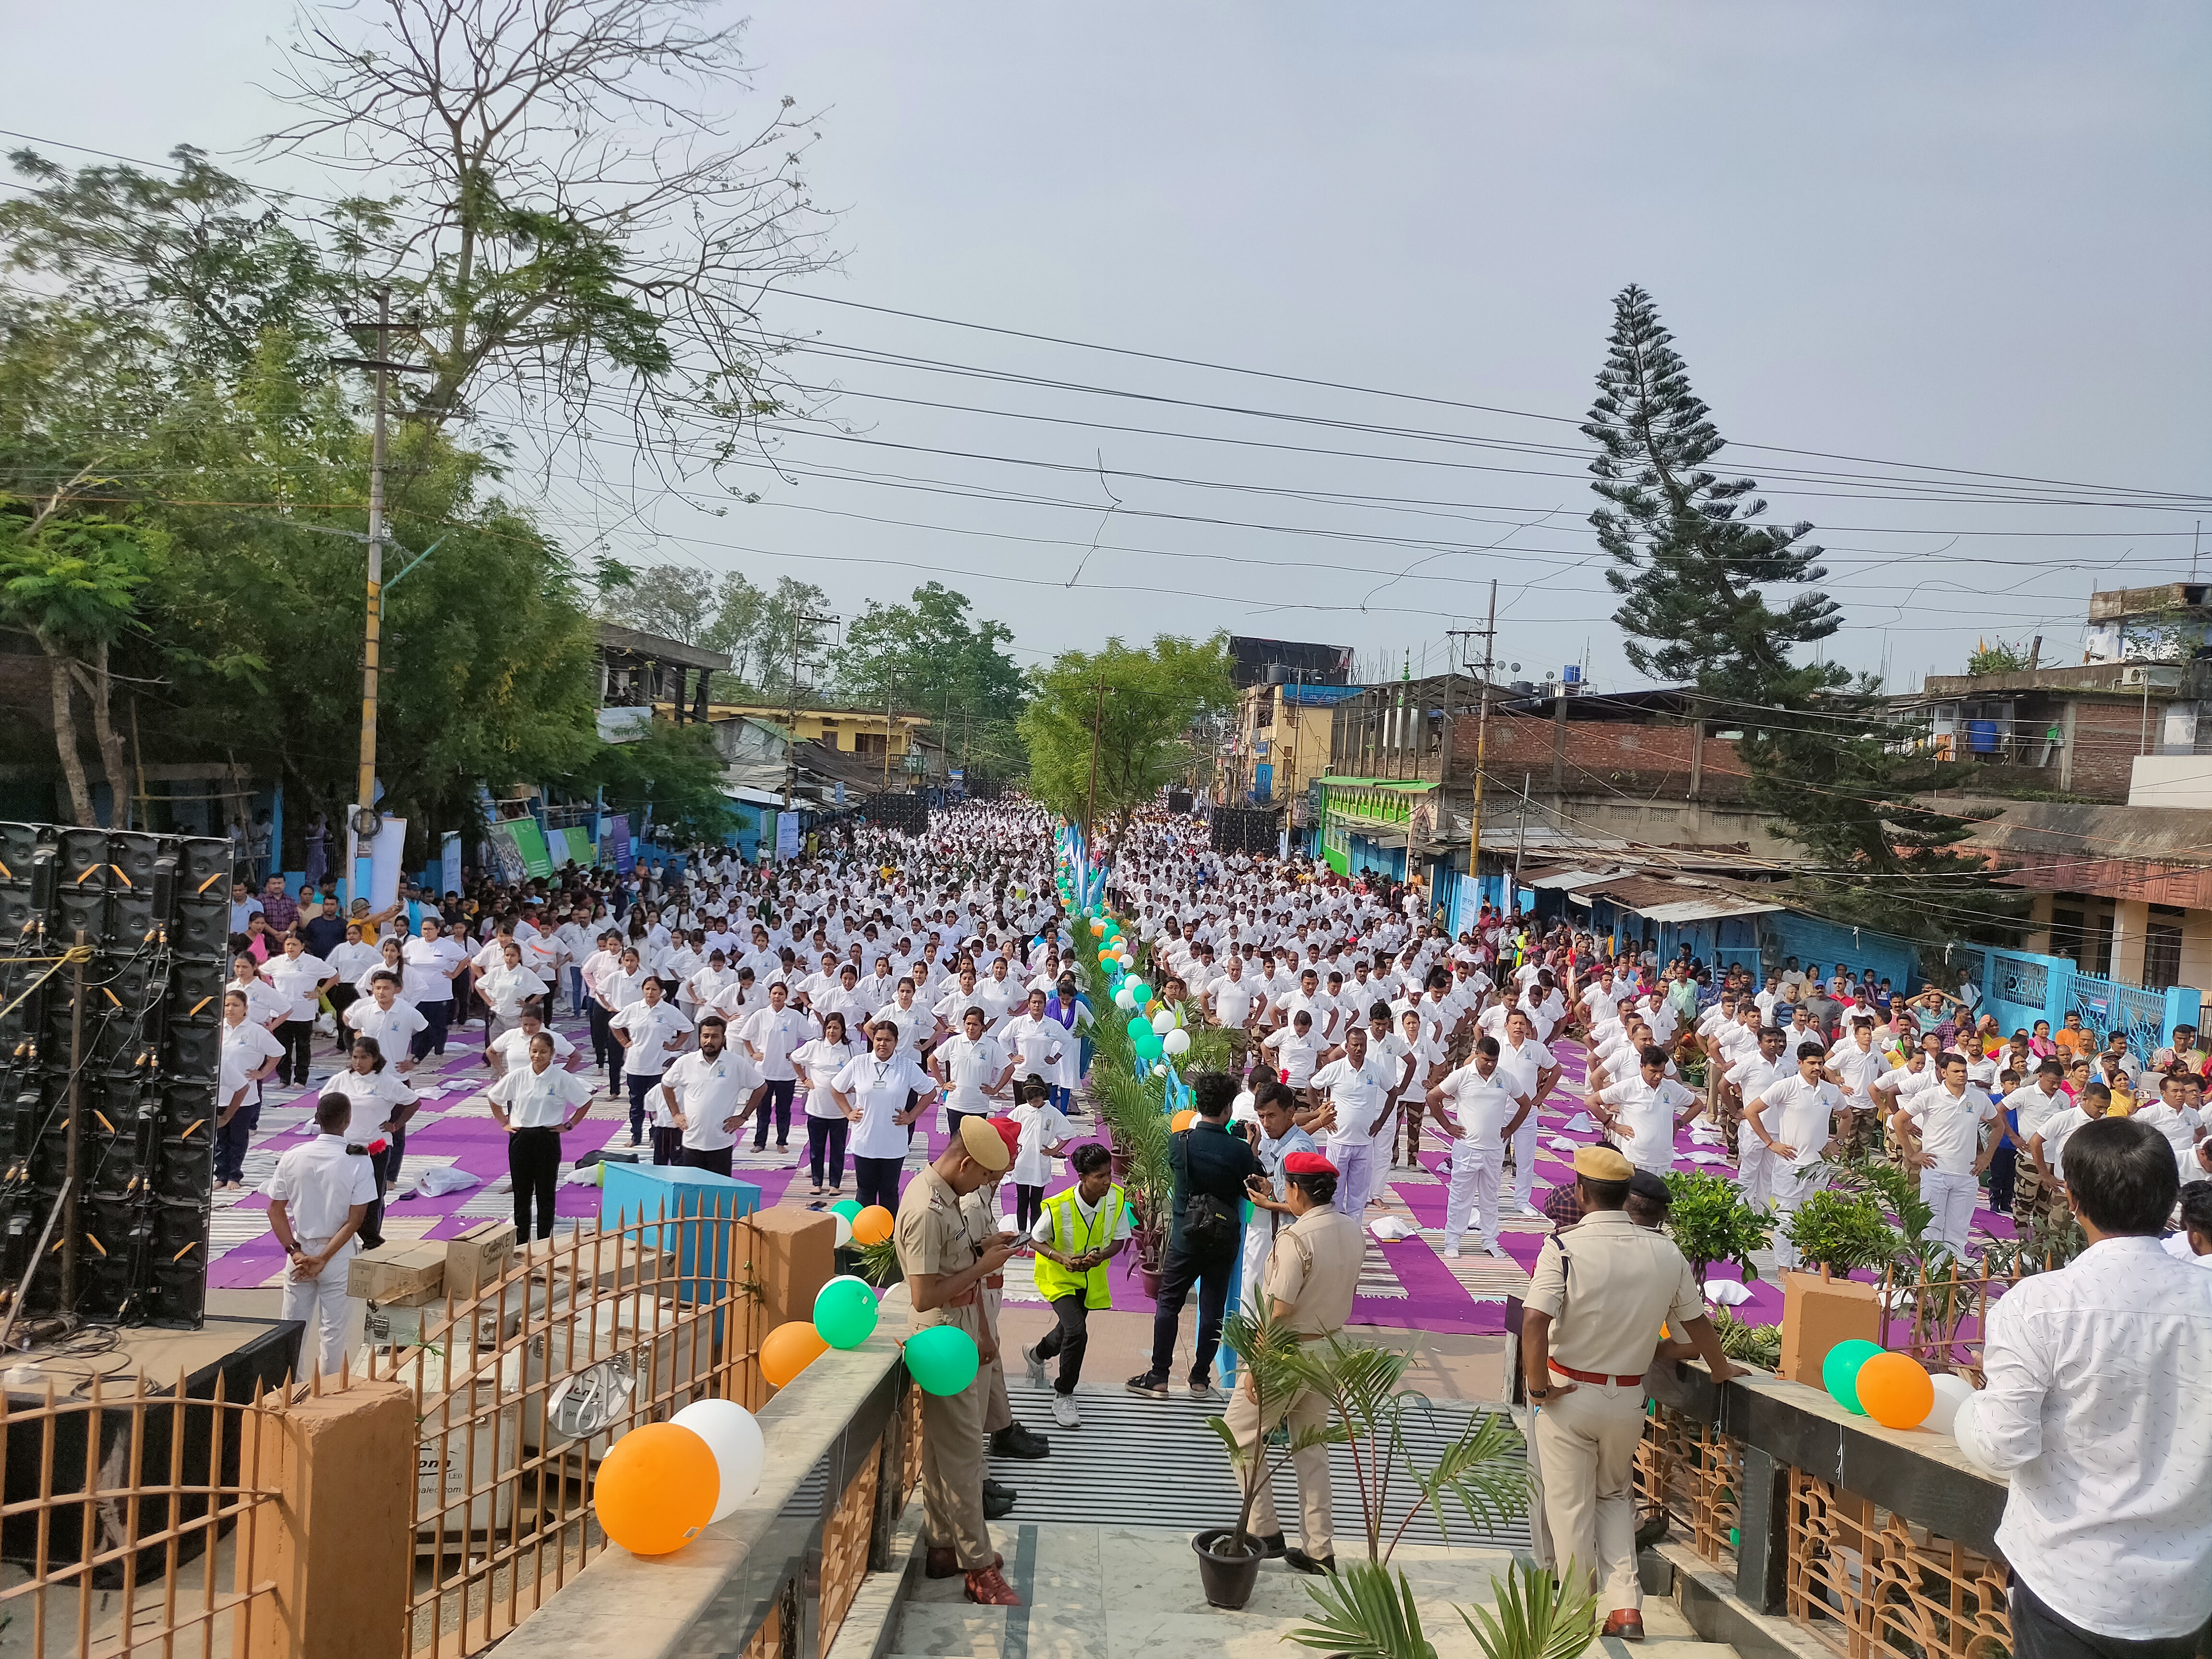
(1950, 1126)
(319, 1184)
(540, 1100)
(710, 1092)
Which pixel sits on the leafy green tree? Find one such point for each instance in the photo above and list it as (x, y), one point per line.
(1690, 559)
(673, 770)
(1142, 702)
(933, 656)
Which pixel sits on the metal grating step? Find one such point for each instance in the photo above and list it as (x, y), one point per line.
(1138, 1462)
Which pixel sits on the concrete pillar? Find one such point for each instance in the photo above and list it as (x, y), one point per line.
(343, 1466)
(2130, 919)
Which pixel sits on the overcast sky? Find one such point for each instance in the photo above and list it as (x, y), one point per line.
(1971, 236)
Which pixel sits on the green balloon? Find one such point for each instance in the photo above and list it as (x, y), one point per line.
(845, 1312)
(1139, 991)
(1138, 1027)
(1839, 1371)
(848, 1208)
(942, 1359)
(1148, 1047)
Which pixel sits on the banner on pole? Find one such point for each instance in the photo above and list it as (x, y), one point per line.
(531, 840)
(384, 857)
(618, 833)
(449, 862)
(787, 835)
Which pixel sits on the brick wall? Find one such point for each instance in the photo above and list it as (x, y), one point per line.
(1603, 757)
(2107, 738)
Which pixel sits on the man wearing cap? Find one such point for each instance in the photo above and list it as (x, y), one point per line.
(944, 1270)
(1587, 1337)
(1311, 1277)
(1002, 1435)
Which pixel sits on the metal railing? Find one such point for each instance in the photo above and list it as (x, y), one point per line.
(136, 1530)
(521, 1388)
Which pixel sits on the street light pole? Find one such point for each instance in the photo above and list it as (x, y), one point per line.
(1091, 813)
(1489, 637)
(365, 808)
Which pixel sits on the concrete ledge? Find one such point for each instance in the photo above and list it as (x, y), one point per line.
(648, 1607)
(1707, 1598)
(871, 1624)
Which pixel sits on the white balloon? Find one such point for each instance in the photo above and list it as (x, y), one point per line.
(844, 1229)
(1163, 1022)
(1951, 1392)
(1967, 1430)
(1127, 961)
(1176, 1042)
(1123, 1000)
(734, 1437)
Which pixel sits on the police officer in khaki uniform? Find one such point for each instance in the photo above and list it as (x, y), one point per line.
(1601, 1290)
(1311, 1276)
(945, 1268)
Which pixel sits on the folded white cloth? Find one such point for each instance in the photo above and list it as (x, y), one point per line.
(1726, 1292)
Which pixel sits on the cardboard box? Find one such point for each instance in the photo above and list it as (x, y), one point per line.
(597, 1265)
(793, 1258)
(477, 1259)
(399, 1276)
(1817, 1313)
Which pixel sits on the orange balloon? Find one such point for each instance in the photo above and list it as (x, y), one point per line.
(1183, 1120)
(1895, 1389)
(789, 1349)
(872, 1225)
(656, 1490)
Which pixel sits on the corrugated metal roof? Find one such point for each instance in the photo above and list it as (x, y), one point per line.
(1679, 901)
(1569, 879)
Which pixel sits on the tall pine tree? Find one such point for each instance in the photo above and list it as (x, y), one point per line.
(1692, 559)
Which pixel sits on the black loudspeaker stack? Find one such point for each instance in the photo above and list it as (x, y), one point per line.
(144, 1051)
(1246, 829)
(909, 814)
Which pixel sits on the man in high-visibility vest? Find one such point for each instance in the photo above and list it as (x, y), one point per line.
(1082, 1229)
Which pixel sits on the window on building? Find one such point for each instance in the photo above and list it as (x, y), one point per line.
(869, 744)
(2162, 948)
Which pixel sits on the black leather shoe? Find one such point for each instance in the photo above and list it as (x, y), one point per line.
(997, 1505)
(1271, 1546)
(1017, 1440)
(1299, 1561)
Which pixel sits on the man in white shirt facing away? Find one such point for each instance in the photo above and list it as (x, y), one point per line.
(2099, 1408)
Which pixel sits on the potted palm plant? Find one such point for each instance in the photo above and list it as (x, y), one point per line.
(1229, 1556)
(1367, 1616)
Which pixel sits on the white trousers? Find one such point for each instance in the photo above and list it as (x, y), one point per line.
(1259, 1240)
(1754, 1167)
(1355, 1177)
(1792, 1186)
(1524, 1161)
(1952, 1198)
(321, 1303)
(1475, 1173)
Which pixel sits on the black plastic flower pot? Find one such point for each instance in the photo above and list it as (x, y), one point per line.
(1227, 1579)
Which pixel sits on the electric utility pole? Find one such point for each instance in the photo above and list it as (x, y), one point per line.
(364, 820)
(1091, 813)
(1488, 635)
(801, 619)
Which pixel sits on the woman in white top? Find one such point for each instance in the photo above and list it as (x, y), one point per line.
(826, 1126)
(873, 1092)
(534, 1104)
(250, 1053)
(382, 1104)
(504, 990)
(388, 958)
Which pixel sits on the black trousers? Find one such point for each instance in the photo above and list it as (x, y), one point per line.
(605, 1051)
(777, 1100)
(667, 1146)
(1029, 1205)
(431, 1039)
(298, 1038)
(1067, 1340)
(342, 997)
(1209, 1271)
(825, 1143)
(718, 1161)
(875, 1181)
(2004, 1173)
(2039, 1633)
(534, 1162)
(641, 1103)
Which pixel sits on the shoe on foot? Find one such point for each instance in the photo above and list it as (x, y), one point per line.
(1271, 1546)
(1152, 1388)
(998, 1501)
(1017, 1441)
(1299, 1561)
(989, 1588)
(1035, 1361)
(1202, 1387)
(1624, 1624)
(943, 1562)
(1064, 1412)
(1451, 1252)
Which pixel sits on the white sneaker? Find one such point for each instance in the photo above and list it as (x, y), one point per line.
(1036, 1363)
(1451, 1253)
(1064, 1412)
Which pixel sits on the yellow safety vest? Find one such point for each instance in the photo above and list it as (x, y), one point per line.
(1072, 1235)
